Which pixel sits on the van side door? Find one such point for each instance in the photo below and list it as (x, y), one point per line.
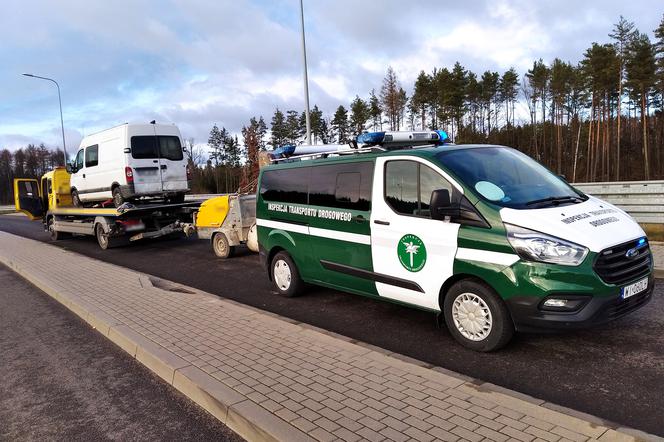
(415, 251)
(340, 196)
(77, 180)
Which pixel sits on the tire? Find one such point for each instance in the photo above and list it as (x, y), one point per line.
(54, 234)
(488, 324)
(118, 199)
(286, 276)
(221, 247)
(177, 199)
(106, 242)
(75, 200)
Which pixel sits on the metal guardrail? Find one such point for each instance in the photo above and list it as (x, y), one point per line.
(643, 200)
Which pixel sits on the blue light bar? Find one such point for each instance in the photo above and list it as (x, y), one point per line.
(283, 151)
(642, 241)
(371, 138)
(444, 138)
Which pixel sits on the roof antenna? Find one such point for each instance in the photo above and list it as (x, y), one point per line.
(153, 122)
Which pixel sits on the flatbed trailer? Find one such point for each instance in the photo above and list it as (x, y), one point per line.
(49, 200)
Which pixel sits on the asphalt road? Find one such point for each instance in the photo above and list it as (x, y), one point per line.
(614, 371)
(61, 380)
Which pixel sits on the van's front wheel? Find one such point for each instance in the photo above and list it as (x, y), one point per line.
(477, 317)
(285, 276)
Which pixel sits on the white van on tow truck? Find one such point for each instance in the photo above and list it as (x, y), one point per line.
(129, 162)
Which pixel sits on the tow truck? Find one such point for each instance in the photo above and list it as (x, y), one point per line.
(226, 220)
(49, 200)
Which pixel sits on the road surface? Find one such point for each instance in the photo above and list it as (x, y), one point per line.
(614, 371)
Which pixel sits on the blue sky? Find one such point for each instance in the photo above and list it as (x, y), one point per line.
(199, 62)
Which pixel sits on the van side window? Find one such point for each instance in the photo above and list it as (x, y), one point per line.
(79, 160)
(92, 156)
(285, 185)
(408, 187)
(342, 186)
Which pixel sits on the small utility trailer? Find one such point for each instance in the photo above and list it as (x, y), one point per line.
(49, 200)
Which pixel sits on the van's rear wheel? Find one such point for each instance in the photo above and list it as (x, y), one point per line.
(221, 247)
(118, 199)
(75, 199)
(477, 317)
(285, 276)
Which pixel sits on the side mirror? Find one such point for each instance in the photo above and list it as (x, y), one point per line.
(69, 167)
(563, 177)
(441, 207)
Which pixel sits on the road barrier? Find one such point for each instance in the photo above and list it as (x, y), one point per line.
(643, 200)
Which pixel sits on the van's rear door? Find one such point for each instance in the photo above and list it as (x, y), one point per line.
(145, 164)
(172, 163)
(27, 198)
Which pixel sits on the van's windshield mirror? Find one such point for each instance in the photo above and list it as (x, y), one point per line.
(508, 178)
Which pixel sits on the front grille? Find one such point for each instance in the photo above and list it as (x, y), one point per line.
(615, 267)
(623, 306)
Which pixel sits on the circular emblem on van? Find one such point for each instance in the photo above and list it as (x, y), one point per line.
(412, 253)
(632, 253)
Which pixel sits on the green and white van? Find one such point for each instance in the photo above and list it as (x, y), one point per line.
(482, 235)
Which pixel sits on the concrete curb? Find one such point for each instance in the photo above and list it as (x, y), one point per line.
(250, 420)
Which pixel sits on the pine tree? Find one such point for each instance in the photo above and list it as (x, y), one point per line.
(390, 98)
(457, 97)
(360, 113)
(293, 127)
(622, 33)
(641, 69)
(340, 125)
(422, 99)
(509, 83)
(375, 111)
(278, 129)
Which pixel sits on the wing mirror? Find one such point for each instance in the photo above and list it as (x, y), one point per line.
(69, 167)
(441, 206)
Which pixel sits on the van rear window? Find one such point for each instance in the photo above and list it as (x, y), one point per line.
(145, 147)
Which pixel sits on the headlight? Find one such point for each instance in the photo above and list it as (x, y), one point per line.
(535, 246)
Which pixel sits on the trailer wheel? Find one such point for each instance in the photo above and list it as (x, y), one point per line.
(221, 247)
(285, 276)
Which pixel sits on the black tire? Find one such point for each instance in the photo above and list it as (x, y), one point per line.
(118, 199)
(106, 242)
(495, 333)
(177, 199)
(75, 200)
(286, 279)
(54, 234)
(221, 247)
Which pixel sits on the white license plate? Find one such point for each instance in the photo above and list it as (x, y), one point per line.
(634, 289)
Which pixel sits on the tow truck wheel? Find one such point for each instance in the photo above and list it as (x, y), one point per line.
(118, 199)
(54, 234)
(221, 247)
(476, 316)
(102, 237)
(285, 276)
(75, 200)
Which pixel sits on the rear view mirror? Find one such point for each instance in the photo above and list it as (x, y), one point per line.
(69, 168)
(441, 206)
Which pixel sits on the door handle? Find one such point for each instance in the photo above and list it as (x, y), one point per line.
(358, 219)
(83, 175)
(155, 161)
(382, 223)
(163, 166)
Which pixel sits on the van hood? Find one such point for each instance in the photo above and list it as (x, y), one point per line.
(594, 223)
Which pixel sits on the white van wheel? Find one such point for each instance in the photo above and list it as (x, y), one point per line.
(75, 199)
(285, 276)
(118, 199)
(477, 317)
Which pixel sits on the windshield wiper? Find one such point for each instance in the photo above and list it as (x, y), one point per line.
(554, 199)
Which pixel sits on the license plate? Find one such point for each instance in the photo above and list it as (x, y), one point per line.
(634, 289)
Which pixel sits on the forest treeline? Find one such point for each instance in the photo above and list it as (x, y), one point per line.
(601, 119)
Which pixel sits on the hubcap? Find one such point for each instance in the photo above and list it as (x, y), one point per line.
(472, 316)
(102, 238)
(221, 246)
(282, 274)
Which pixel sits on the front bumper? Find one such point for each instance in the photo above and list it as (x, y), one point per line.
(528, 316)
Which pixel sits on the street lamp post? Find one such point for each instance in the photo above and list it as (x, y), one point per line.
(62, 124)
(306, 77)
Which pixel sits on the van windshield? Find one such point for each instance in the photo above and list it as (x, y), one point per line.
(508, 178)
(145, 147)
